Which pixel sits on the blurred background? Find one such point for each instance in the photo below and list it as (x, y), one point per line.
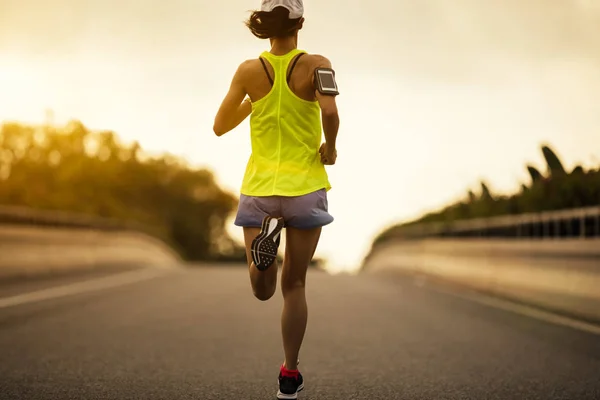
(107, 109)
(464, 259)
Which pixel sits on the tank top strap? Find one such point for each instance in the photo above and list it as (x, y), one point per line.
(281, 64)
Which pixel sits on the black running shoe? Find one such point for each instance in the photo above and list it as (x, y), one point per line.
(266, 245)
(290, 387)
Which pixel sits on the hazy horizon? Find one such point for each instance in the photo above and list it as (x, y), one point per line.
(435, 96)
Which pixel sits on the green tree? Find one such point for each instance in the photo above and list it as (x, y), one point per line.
(536, 176)
(555, 167)
(74, 169)
(558, 190)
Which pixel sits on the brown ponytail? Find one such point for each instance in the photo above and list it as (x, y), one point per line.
(273, 24)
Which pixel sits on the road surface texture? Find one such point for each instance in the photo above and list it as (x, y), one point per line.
(199, 334)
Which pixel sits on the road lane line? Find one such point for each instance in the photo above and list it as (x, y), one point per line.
(522, 309)
(92, 285)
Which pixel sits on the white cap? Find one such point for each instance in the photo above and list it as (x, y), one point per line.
(295, 7)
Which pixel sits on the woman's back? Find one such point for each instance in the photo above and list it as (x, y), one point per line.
(285, 127)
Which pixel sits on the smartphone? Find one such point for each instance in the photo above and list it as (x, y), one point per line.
(325, 79)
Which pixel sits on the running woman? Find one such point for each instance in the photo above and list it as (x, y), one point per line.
(291, 97)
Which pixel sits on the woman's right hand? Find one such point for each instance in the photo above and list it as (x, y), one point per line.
(328, 154)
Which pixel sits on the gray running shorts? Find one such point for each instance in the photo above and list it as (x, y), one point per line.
(302, 212)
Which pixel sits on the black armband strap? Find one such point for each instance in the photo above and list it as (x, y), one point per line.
(325, 81)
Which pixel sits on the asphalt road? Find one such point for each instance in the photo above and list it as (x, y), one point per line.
(199, 334)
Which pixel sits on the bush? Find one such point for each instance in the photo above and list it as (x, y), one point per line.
(73, 169)
(555, 190)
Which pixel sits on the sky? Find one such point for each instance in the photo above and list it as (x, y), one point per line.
(436, 95)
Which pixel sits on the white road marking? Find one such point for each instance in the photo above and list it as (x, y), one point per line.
(92, 285)
(522, 309)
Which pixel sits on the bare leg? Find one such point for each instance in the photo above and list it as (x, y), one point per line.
(264, 283)
(299, 251)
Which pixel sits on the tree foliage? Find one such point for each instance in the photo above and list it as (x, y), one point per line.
(556, 190)
(555, 167)
(71, 168)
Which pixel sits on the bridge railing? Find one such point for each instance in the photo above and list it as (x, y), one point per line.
(548, 259)
(580, 223)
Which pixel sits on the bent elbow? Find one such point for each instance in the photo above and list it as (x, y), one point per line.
(329, 112)
(218, 130)
(329, 109)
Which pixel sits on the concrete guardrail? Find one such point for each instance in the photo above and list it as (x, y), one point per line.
(34, 243)
(558, 275)
(550, 259)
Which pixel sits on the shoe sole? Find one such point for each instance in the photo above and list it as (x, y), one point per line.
(283, 396)
(264, 249)
(259, 238)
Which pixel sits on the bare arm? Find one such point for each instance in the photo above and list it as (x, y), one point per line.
(234, 109)
(329, 110)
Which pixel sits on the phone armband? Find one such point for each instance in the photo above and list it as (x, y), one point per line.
(325, 81)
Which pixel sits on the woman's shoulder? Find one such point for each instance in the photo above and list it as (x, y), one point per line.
(317, 60)
(248, 64)
(249, 68)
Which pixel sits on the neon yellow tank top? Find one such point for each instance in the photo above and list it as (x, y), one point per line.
(286, 135)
